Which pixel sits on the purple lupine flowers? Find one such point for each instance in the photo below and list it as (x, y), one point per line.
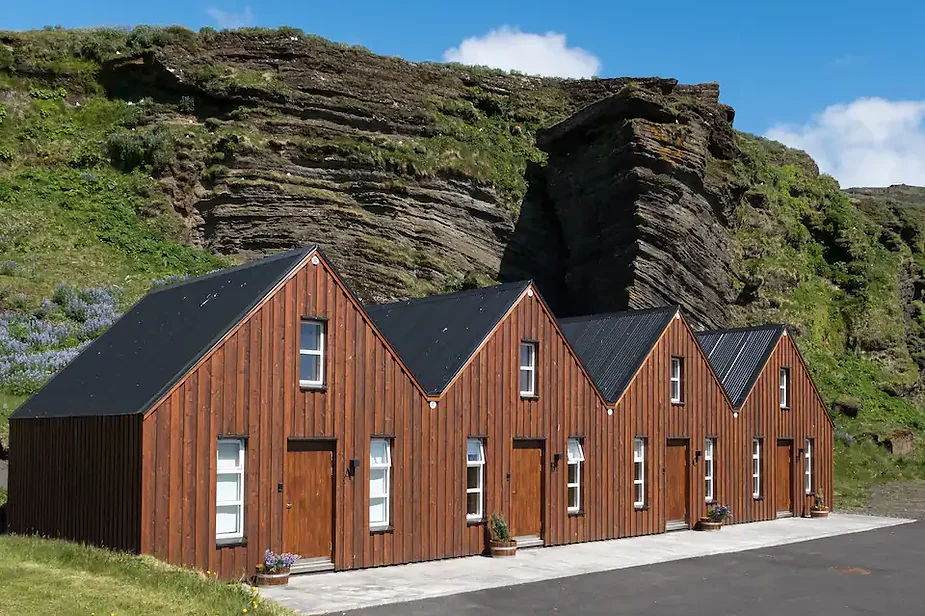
(34, 347)
(719, 513)
(274, 562)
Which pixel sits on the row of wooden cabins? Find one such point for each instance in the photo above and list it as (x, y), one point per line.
(264, 406)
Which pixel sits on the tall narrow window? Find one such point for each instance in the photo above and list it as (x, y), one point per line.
(709, 447)
(380, 482)
(808, 471)
(677, 378)
(756, 468)
(229, 490)
(311, 354)
(475, 476)
(527, 368)
(639, 473)
(785, 388)
(576, 457)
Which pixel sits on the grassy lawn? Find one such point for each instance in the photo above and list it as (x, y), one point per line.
(55, 577)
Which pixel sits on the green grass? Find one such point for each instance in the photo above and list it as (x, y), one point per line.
(8, 404)
(41, 576)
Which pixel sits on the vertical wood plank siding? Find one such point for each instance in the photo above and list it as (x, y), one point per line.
(77, 479)
(763, 418)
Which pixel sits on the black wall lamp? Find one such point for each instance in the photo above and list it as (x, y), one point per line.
(352, 467)
(696, 456)
(555, 459)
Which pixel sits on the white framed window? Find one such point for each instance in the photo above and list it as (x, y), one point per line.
(475, 477)
(527, 368)
(311, 354)
(756, 467)
(808, 467)
(709, 447)
(576, 458)
(785, 388)
(229, 489)
(677, 376)
(639, 472)
(380, 482)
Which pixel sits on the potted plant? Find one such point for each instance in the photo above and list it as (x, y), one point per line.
(716, 516)
(499, 540)
(818, 509)
(274, 570)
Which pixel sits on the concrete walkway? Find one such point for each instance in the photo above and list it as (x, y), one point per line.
(334, 592)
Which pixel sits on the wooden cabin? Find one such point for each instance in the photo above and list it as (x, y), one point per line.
(674, 422)
(786, 453)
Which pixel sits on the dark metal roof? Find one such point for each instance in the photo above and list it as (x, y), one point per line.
(143, 354)
(613, 346)
(435, 336)
(738, 355)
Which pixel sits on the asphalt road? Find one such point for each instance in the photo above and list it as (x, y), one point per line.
(875, 572)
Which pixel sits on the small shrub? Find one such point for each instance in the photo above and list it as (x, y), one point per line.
(187, 104)
(8, 268)
(45, 94)
(129, 151)
(498, 528)
(6, 154)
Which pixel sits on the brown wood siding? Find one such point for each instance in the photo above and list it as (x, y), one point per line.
(806, 418)
(646, 411)
(249, 386)
(77, 479)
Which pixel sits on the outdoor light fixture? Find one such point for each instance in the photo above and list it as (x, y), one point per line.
(352, 467)
(696, 456)
(555, 459)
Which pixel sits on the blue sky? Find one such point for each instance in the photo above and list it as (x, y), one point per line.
(779, 64)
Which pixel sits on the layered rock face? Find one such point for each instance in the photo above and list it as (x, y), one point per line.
(641, 224)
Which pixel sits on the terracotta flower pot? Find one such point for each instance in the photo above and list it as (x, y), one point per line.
(502, 548)
(275, 578)
(819, 513)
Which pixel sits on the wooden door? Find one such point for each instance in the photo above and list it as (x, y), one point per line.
(676, 481)
(527, 489)
(309, 499)
(783, 469)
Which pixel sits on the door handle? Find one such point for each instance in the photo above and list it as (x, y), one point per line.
(288, 505)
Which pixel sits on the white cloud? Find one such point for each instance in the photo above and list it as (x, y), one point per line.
(869, 142)
(230, 20)
(535, 54)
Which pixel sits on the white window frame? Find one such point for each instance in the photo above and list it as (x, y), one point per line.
(639, 485)
(756, 468)
(677, 380)
(531, 368)
(319, 353)
(808, 470)
(577, 462)
(480, 489)
(709, 469)
(385, 497)
(237, 469)
(785, 388)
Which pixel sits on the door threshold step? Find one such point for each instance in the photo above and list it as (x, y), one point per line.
(529, 541)
(676, 525)
(785, 514)
(312, 565)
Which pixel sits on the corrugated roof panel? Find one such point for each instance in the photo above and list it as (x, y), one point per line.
(613, 346)
(435, 336)
(738, 355)
(143, 354)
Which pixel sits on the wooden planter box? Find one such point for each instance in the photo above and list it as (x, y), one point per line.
(502, 548)
(819, 513)
(706, 524)
(277, 578)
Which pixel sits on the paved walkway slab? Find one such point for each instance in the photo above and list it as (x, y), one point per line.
(334, 592)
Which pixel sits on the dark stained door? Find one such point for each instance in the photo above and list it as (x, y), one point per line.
(309, 498)
(527, 489)
(783, 468)
(676, 482)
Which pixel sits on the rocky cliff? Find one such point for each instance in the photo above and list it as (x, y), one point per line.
(159, 151)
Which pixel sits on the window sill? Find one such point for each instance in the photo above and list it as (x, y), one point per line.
(677, 403)
(785, 408)
(529, 396)
(474, 522)
(236, 542)
(640, 507)
(318, 388)
(381, 530)
(576, 514)
(758, 498)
